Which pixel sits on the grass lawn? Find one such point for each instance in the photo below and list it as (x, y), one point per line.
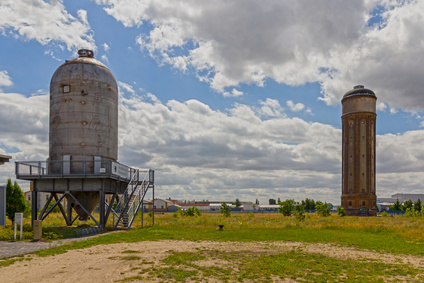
(395, 235)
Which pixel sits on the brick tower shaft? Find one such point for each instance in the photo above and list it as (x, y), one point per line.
(358, 156)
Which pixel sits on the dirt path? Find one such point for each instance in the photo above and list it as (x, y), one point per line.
(109, 263)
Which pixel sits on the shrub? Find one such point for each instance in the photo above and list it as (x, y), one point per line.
(385, 214)
(417, 205)
(299, 212)
(322, 208)
(287, 207)
(410, 212)
(192, 211)
(225, 209)
(341, 211)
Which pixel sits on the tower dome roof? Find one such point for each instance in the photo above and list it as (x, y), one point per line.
(359, 90)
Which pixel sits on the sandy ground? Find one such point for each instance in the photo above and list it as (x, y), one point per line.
(105, 263)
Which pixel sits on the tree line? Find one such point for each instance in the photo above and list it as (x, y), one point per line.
(407, 205)
(309, 204)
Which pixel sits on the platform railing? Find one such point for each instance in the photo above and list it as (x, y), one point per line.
(103, 168)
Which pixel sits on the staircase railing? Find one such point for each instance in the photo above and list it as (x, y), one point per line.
(124, 201)
(131, 200)
(137, 200)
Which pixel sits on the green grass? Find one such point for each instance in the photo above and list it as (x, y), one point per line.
(398, 235)
(7, 262)
(242, 266)
(382, 234)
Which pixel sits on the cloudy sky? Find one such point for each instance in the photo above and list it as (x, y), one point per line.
(227, 99)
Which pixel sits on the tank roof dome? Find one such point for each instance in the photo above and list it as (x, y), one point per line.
(359, 90)
(86, 56)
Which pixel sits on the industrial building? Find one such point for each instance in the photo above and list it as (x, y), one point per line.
(3, 159)
(358, 152)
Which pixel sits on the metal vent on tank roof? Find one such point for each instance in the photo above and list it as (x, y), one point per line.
(85, 53)
(358, 86)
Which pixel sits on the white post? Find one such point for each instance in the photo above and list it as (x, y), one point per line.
(19, 218)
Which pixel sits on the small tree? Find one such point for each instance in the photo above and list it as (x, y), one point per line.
(237, 203)
(225, 209)
(341, 211)
(410, 212)
(407, 205)
(322, 208)
(417, 205)
(272, 201)
(397, 206)
(299, 212)
(287, 207)
(309, 204)
(15, 201)
(192, 211)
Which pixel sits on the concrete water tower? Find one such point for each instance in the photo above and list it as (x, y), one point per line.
(358, 152)
(83, 147)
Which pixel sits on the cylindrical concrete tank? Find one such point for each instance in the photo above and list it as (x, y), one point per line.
(83, 120)
(83, 110)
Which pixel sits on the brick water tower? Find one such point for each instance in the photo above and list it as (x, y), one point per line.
(358, 156)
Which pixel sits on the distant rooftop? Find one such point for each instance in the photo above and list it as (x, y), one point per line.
(4, 158)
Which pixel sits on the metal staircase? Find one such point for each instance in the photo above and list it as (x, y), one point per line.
(131, 200)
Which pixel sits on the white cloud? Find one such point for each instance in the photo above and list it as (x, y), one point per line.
(381, 106)
(339, 44)
(198, 151)
(125, 88)
(5, 80)
(25, 124)
(46, 23)
(104, 58)
(233, 93)
(106, 47)
(202, 153)
(400, 153)
(271, 108)
(295, 107)
(384, 58)
(248, 152)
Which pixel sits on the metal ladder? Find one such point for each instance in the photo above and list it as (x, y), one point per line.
(130, 201)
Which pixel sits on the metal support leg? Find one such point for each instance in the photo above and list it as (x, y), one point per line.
(41, 215)
(112, 201)
(142, 212)
(102, 210)
(62, 210)
(69, 213)
(34, 201)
